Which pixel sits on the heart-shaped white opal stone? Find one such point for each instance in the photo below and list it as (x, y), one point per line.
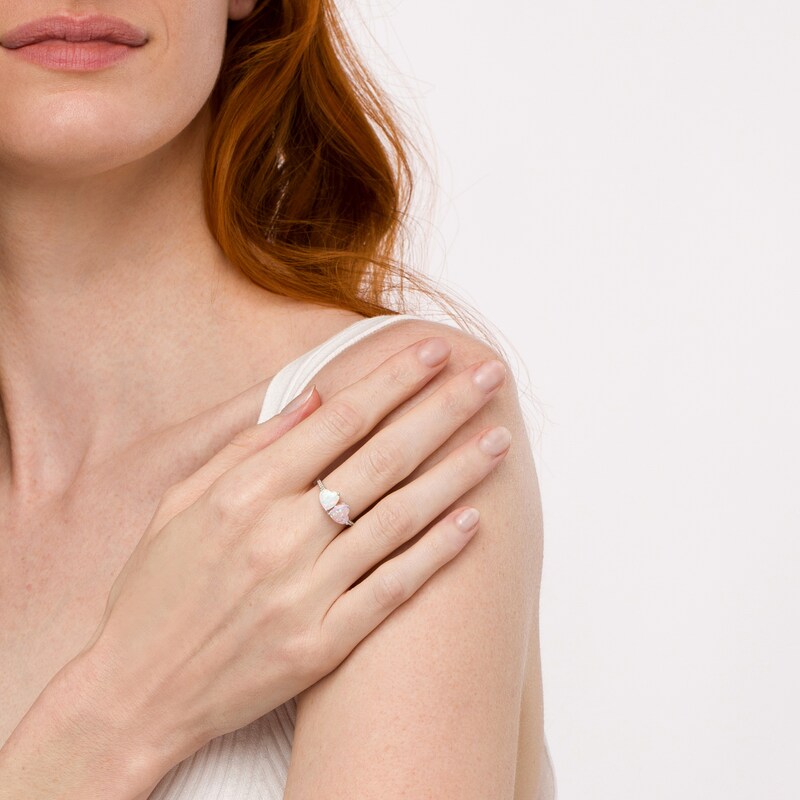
(340, 513)
(328, 498)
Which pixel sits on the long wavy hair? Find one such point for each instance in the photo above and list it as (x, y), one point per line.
(308, 176)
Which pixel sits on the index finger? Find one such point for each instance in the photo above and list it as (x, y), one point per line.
(348, 416)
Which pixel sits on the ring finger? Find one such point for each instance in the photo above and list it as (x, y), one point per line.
(401, 515)
(395, 451)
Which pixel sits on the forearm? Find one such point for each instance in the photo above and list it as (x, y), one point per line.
(75, 743)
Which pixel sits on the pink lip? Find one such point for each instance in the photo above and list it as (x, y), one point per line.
(74, 56)
(74, 29)
(74, 43)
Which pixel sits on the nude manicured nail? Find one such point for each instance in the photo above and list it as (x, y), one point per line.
(434, 352)
(468, 519)
(489, 375)
(300, 400)
(495, 441)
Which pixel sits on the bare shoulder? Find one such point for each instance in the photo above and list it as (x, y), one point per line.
(304, 325)
(429, 702)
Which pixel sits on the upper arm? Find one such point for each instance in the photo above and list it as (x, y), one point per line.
(428, 704)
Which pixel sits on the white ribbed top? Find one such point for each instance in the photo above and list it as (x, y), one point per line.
(252, 763)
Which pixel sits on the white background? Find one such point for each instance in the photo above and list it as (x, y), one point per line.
(618, 193)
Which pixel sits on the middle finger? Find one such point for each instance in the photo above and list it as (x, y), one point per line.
(395, 451)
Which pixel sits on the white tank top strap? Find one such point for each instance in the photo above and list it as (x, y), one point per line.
(287, 383)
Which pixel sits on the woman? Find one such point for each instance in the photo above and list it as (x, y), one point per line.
(196, 196)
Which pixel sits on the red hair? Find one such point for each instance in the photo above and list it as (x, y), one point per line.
(307, 176)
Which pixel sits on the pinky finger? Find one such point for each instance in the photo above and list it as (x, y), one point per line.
(361, 609)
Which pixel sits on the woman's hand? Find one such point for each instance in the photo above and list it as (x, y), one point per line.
(243, 592)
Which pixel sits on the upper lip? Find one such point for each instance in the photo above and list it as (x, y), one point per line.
(74, 29)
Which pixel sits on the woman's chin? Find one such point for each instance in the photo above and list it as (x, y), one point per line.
(66, 159)
(74, 150)
(61, 138)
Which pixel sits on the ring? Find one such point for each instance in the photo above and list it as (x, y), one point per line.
(329, 500)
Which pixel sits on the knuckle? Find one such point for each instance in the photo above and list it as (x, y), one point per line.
(393, 523)
(258, 560)
(399, 374)
(172, 500)
(269, 555)
(233, 501)
(340, 420)
(452, 404)
(389, 590)
(172, 494)
(248, 438)
(382, 461)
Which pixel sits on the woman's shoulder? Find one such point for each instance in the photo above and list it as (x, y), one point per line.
(367, 353)
(467, 349)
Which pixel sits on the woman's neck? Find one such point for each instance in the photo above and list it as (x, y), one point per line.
(119, 314)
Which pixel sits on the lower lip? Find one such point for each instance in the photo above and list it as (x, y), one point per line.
(74, 56)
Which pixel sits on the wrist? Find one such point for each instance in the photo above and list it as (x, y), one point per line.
(78, 742)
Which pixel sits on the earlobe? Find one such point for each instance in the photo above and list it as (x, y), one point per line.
(239, 9)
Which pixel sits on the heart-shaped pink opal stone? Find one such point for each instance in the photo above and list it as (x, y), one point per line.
(340, 513)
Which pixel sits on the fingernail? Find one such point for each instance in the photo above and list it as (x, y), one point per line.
(489, 375)
(299, 401)
(434, 352)
(468, 519)
(495, 441)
